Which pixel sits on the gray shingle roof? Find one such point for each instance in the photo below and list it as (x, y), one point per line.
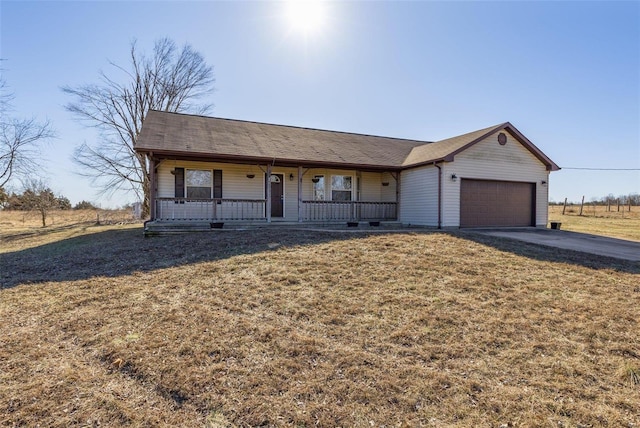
(208, 137)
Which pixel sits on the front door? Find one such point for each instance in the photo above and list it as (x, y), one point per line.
(277, 195)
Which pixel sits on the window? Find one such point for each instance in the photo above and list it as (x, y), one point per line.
(198, 183)
(341, 186)
(318, 188)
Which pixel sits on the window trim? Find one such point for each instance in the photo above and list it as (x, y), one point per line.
(186, 185)
(284, 191)
(342, 190)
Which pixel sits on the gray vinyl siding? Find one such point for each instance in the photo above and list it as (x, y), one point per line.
(488, 160)
(370, 186)
(419, 196)
(388, 193)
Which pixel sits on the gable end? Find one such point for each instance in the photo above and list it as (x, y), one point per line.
(550, 165)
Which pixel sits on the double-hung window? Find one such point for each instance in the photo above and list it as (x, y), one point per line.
(341, 187)
(199, 183)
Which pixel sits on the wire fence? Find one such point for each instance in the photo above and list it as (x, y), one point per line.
(607, 208)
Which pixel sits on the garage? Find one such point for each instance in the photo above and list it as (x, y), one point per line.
(487, 203)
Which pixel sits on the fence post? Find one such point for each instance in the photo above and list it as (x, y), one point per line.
(565, 206)
(581, 205)
(618, 200)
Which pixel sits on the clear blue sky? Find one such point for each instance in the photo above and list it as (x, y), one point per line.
(566, 74)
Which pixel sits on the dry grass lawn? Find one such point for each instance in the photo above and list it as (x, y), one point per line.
(598, 221)
(102, 327)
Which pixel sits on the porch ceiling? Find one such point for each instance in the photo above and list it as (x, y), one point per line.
(245, 160)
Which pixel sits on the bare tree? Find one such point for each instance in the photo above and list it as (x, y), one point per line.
(169, 80)
(19, 141)
(4, 198)
(37, 196)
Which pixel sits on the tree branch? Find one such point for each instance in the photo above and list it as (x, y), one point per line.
(169, 80)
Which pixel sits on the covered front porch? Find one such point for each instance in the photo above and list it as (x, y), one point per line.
(186, 190)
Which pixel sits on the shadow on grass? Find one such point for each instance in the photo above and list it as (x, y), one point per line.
(47, 230)
(551, 254)
(114, 253)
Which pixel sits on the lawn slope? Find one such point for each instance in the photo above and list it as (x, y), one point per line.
(304, 328)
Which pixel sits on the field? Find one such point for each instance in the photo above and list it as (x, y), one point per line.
(102, 327)
(598, 220)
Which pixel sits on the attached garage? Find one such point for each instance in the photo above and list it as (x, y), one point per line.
(488, 203)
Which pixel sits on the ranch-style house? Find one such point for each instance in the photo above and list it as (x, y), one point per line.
(214, 170)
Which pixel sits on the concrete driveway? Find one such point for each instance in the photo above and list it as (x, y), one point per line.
(593, 244)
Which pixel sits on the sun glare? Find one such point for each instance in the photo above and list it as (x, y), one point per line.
(306, 16)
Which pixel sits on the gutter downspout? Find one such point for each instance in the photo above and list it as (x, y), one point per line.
(439, 194)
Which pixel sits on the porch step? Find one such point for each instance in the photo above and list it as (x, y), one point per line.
(168, 227)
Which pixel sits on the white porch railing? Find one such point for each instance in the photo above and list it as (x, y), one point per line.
(348, 210)
(168, 209)
(209, 209)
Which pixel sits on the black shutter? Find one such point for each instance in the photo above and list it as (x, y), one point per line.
(217, 183)
(179, 180)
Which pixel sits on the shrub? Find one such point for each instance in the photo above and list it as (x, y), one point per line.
(84, 205)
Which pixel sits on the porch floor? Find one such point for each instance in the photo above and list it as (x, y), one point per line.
(152, 228)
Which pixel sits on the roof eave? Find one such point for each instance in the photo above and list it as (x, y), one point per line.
(252, 160)
(447, 158)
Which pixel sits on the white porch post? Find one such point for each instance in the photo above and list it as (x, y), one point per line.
(398, 195)
(268, 193)
(299, 194)
(356, 208)
(152, 188)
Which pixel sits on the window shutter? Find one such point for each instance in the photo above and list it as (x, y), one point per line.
(217, 183)
(179, 182)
